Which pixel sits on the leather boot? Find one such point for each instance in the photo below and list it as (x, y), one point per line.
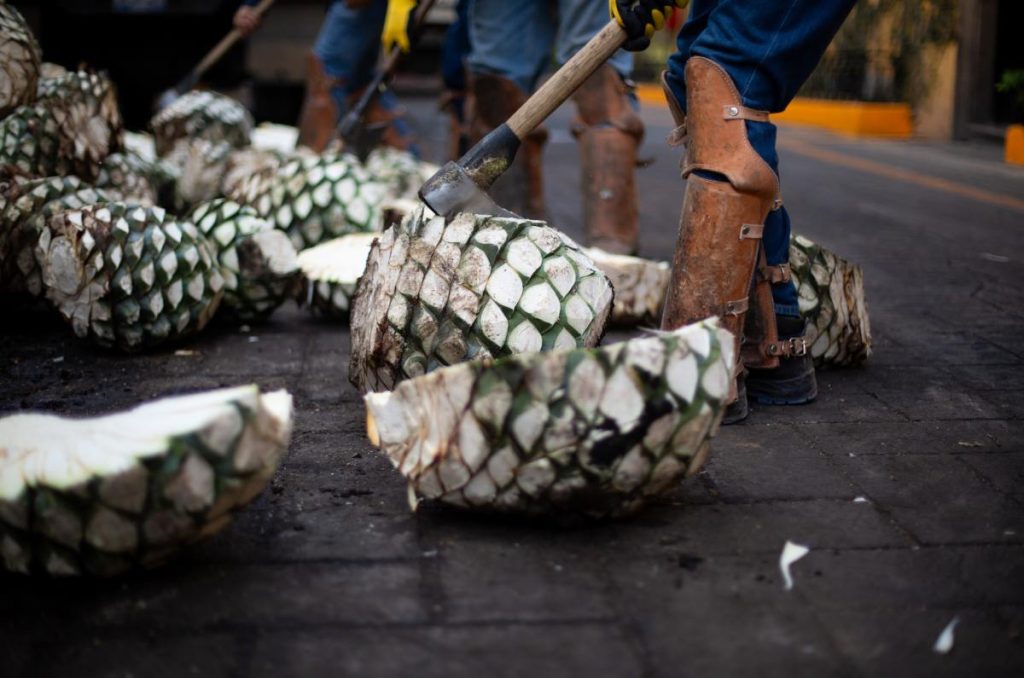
(793, 381)
(319, 116)
(521, 188)
(719, 245)
(609, 133)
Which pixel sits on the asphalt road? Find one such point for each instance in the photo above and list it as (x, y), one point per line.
(904, 479)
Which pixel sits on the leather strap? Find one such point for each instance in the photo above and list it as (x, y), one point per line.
(751, 231)
(677, 137)
(737, 307)
(741, 112)
(785, 348)
(780, 273)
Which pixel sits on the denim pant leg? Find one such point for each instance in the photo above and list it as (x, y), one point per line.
(578, 22)
(349, 44)
(511, 39)
(456, 49)
(769, 49)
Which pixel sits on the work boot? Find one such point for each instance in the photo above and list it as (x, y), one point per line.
(793, 381)
(739, 409)
(521, 188)
(609, 133)
(319, 116)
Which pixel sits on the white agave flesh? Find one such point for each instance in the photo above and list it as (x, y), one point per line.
(72, 451)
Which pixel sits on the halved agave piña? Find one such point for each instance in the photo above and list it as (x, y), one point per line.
(331, 271)
(103, 495)
(437, 293)
(597, 431)
(640, 287)
(831, 292)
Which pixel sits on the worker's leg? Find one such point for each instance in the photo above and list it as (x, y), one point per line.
(510, 49)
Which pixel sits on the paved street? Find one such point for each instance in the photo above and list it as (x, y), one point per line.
(905, 480)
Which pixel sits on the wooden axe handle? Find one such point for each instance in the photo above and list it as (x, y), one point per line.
(567, 80)
(227, 42)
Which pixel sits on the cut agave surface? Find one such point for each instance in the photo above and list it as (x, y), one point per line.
(437, 293)
(258, 262)
(640, 287)
(128, 276)
(331, 272)
(19, 60)
(592, 431)
(104, 495)
(831, 293)
(202, 115)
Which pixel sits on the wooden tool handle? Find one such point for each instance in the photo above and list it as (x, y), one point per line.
(567, 80)
(227, 42)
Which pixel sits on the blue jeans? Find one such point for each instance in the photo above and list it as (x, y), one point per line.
(769, 48)
(348, 46)
(515, 39)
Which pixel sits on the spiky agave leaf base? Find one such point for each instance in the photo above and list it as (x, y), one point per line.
(331, 271)
(400, 171)
(25, 206)
(101, 496)
(831, 293)
(70, 129)
(313, 198)
(640, 287)
(592, 431)
(202, 115)
(259, 264)
(128, 276)
(19, 60)
(437, 293)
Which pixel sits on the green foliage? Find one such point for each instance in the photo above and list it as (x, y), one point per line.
(878, 54)
(1012, 83)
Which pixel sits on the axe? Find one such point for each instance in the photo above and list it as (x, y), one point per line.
(359, 137)
(213, 56)
(462, 186)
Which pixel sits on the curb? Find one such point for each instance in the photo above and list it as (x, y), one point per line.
(855, 118)
(1015, 145)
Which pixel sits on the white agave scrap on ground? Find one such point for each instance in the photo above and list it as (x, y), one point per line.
(106, 494)
(439, 292)
(596, 432)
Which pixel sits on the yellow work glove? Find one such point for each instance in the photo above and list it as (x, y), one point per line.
(641, 18)
(396, 24)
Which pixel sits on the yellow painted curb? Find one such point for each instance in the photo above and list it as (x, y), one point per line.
(851, 117)
(652, 95)
(1015, 145)
(847, 117)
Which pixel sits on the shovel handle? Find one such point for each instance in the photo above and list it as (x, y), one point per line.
(567, 80)
(226, 43)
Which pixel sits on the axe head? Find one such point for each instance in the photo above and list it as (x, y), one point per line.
(452, 190)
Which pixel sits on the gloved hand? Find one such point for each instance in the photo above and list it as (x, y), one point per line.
(641, 18)
(396, 24)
